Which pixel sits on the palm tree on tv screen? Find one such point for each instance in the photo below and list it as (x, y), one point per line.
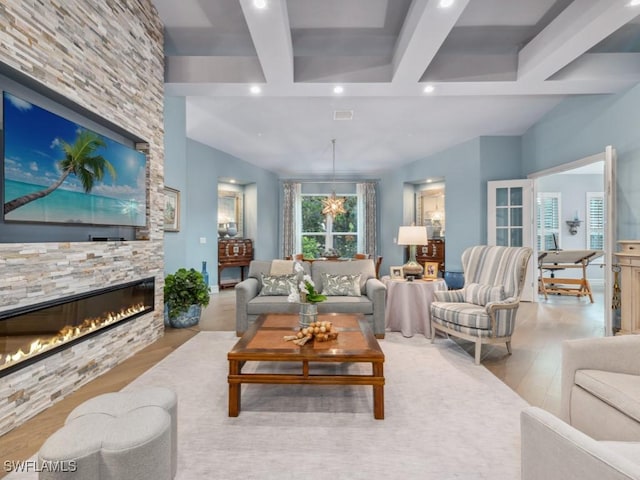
(79, 159)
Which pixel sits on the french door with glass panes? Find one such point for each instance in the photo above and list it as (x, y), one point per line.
(510, 222)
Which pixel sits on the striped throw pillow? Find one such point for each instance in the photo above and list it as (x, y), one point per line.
(479, 294)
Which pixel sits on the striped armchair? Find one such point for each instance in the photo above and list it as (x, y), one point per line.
(484, 310)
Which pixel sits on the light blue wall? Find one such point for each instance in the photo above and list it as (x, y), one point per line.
(573, 198)
(466, 168)
(175, 176)
(584, 126)
(500, 159)
(204, 166)
(460, 167)
(576, 128)
(194, 168)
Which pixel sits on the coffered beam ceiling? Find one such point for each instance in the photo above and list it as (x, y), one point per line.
(497, 66)
(581, 26)
(271, 35)
(424, 31)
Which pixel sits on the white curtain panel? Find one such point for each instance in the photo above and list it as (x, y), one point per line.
(367, 214)
(291, 219)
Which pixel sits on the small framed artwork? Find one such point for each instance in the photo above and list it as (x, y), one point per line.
(397, 273)
(171, 210)
(431, 269)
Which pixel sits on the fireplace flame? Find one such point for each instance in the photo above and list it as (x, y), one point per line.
(66, 334)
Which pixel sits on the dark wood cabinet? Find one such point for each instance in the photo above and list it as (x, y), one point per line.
(433, 252)
(233, 252)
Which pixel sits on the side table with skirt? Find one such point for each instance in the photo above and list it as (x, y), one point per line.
(408, 308)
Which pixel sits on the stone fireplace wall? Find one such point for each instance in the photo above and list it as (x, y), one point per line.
(106, 56)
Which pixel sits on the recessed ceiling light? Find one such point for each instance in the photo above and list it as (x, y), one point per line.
(429, 89)
(232, 181)
(446, 3)
(261, 4)
(634, 3)
(255, 89)
(338, 89)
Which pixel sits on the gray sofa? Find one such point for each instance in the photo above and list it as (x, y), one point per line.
(250, 304)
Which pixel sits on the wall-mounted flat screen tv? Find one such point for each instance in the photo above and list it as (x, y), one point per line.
(56, 171)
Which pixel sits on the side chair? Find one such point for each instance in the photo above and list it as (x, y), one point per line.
(484, 310)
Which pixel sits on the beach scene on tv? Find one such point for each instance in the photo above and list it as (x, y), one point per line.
(56, 171)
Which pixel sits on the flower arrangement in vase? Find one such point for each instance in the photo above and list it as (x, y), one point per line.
(307, 296)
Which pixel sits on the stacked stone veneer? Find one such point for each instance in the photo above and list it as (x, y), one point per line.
(106, 56)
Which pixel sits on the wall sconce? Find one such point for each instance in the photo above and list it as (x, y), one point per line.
(573, 226)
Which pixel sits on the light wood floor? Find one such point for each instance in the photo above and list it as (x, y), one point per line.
(533, 370)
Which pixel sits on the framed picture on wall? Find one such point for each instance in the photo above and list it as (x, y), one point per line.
(431, 269)
(171, 210)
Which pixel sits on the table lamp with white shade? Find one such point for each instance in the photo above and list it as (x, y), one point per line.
(412, 236)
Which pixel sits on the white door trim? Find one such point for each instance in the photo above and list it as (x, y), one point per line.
(608, 156)
(530, 289)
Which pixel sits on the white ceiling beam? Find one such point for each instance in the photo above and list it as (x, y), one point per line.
(579, 27)
(205, 69)
(425, 29)
(599, 66)
(271, 35)
(579, 86)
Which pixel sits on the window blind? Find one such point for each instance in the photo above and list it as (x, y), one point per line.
(548, 221)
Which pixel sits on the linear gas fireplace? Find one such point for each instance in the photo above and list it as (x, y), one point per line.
(30, 333)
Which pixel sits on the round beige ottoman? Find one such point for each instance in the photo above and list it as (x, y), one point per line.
(117, 403)
(97, 446)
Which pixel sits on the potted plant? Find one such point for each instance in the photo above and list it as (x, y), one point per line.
(185, 293)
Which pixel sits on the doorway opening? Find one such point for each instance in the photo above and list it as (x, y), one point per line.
(574, 223)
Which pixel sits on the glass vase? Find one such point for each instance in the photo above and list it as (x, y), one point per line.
(308, 314)
(205, 274)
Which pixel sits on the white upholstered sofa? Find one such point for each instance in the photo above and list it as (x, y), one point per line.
(598, 436)
(554, 450)
(370, 303)
(601, 386)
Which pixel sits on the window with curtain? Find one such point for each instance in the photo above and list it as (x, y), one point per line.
(548, 227)
(321, 232)
(595, 220)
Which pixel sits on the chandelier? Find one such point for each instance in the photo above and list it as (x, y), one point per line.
(333, 205)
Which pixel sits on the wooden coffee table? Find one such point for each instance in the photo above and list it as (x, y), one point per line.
(263, 342)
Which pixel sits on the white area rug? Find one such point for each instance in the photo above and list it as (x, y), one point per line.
(445, 418)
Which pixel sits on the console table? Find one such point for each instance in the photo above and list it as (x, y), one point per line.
(233, 252)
